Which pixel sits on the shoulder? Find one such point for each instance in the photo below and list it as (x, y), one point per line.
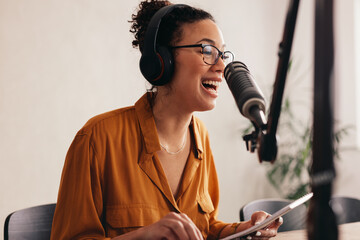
(119, 119)
(112, 119)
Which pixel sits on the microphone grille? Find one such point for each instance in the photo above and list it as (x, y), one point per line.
(241, 71)
(243, 87)
(235, 67)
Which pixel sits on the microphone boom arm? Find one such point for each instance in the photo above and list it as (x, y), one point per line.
(265, 140)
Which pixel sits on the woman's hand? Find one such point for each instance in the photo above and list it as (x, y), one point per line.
(173, 226)
(267, 232)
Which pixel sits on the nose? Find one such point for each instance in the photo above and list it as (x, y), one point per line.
(219, 66)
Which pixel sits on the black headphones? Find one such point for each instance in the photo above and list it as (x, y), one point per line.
(156, 62)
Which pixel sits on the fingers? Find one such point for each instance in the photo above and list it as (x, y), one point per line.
(179, 226)
(278, 222)
(258, 217)
(263, 234)
(267, 232)
(191, 227)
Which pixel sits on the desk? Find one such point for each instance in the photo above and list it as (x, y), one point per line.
(349, 231)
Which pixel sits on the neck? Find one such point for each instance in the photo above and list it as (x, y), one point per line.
(171, 122)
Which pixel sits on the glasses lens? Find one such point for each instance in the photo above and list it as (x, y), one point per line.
(210, 54)
(228, 57)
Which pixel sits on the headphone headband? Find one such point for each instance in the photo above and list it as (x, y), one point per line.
(156, 63)
(152, 30)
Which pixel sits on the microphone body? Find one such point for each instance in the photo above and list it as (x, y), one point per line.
(247, 94)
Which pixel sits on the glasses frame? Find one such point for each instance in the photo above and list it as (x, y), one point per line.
(221, 54)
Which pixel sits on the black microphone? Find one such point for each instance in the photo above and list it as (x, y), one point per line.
(247, 94)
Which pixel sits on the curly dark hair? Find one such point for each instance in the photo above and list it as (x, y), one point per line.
(170, 27)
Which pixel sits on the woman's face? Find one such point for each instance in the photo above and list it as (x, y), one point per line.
(194, 85)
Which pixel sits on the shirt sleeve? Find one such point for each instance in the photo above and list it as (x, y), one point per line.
(79, 208)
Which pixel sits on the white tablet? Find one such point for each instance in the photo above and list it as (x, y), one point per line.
(272, 218)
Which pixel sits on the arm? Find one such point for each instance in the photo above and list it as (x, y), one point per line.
(79, 207)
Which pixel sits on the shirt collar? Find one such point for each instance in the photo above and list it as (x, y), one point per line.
(197, 137)
(148, 128)
(147, 123)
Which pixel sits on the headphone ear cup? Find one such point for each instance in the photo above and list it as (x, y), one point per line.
(150, 67)
(167, 59)
(158, 68)
(157, 62)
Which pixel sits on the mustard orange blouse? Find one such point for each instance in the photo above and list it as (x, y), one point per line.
(113, 182)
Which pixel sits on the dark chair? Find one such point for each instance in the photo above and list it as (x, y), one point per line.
(294, 220)
(346, 209)
(30, 223)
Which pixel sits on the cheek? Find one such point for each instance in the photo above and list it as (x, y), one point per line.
(191, 62)
(189, 70)
(181, 73)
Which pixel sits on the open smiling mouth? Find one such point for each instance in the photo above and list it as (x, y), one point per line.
(211, 85)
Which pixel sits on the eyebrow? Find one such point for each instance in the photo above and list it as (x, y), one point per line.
(212, 42)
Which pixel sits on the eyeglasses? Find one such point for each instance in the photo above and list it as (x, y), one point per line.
(211, 54)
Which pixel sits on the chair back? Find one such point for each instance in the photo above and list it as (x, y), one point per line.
(346, 209)
(31, 223)
(293, 220)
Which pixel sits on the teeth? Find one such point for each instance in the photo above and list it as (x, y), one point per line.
(214, 83)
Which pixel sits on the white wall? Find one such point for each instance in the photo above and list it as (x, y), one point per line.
(62, 62)
(347, 88)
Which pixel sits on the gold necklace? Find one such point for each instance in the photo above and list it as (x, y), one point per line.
(174, 153)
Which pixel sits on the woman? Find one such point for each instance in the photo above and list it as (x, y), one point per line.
(147, 171)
